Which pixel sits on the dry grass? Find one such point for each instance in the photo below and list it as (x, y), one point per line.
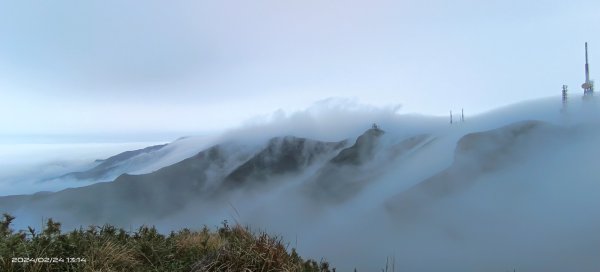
(111, 256)
(245, 252)
(204, 240)
(110, 249)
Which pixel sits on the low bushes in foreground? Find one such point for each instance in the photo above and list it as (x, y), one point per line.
(106, 248)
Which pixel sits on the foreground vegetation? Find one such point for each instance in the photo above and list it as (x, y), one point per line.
(106, 248)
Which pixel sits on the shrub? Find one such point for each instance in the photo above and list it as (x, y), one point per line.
(108, 248)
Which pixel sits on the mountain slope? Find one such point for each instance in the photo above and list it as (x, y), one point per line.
(362, 150)
(477, 154)
(283, 155)
(110, 166)
(344, 176)
(218, 170)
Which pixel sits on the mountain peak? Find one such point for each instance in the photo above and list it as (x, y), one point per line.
(363, 148)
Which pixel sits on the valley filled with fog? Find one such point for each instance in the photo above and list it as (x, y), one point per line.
(513, 188)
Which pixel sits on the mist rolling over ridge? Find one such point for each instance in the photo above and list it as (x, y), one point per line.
(513, 188)
(434, 136)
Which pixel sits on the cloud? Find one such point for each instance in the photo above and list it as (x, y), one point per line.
(92, 58)
(331, 119)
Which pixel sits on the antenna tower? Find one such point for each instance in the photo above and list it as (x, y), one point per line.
(588, 85)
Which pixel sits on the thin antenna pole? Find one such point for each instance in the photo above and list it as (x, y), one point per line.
(587, 66)
(588, 86)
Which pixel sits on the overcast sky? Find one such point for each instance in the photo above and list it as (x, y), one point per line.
(102, 67)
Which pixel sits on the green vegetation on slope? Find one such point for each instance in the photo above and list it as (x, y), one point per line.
(108, 248)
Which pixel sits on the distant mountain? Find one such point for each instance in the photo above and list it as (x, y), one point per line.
(141, 161)
(216, 171)
(108, 167)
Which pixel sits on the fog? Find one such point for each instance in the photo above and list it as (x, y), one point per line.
(31, 167)
(539, 213)
(513, 188)
(333, 119)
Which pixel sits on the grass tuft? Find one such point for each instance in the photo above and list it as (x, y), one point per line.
(108, 248)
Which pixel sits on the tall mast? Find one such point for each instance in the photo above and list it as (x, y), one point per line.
(588, 85)
(587, 66)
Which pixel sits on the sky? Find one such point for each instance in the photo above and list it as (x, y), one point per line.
(182, 67)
